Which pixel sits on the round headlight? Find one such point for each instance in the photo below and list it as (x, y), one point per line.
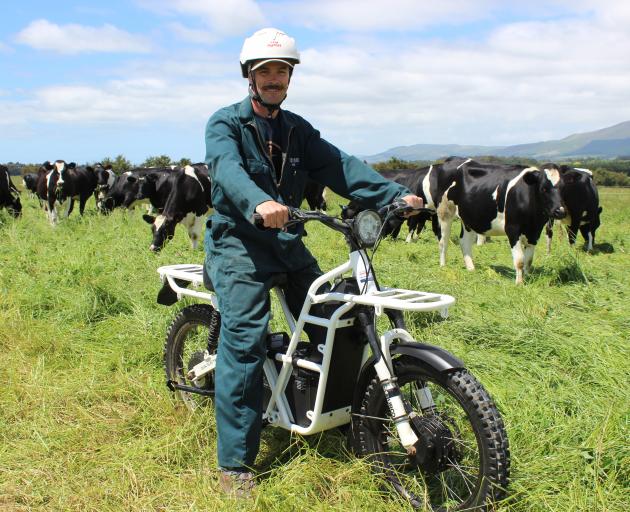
(367, 226)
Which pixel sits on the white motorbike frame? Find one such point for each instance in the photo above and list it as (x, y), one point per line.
(278, 412)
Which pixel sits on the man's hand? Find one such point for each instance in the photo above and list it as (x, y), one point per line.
(275, 215)
(413, 201)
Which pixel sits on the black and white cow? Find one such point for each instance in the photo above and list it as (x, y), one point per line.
(30, 183)
(47, 178)
(9, 194)
(431, 186)
(315, 195)
(61, 181)
(581, 200)
(187, 203)
(105, 178)
(156, 186)
(74, 183)
(124, 193)
(493, 199)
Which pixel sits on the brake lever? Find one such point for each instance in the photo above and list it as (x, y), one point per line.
(400, 208)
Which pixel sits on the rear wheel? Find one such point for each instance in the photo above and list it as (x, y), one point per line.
(461, 459)
(188, 343)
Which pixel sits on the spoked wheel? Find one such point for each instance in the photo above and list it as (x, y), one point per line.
(188, 344)
(461, 459)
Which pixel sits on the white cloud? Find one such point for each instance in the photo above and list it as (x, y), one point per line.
(192, 35)
(224, 18)
(378, 15)
(72, 39)
(526, 82)
(5, 48)
(123, 102)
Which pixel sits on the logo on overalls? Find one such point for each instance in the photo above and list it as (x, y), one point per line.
(294, 161)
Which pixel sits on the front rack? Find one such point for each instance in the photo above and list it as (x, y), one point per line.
(395, 298)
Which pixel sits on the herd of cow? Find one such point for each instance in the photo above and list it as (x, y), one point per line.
(497, 199)
(489, 199)
(180, 195)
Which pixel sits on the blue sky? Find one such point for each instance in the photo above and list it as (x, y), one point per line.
(82, 79)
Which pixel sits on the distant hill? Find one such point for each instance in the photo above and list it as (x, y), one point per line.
(605, 143)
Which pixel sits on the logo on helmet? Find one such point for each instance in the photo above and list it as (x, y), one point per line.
(274, 42)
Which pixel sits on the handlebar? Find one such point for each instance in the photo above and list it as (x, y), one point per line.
(298, 216)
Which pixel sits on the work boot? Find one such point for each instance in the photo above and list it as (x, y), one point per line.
(239, 484)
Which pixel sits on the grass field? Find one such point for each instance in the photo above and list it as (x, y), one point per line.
(87, 424)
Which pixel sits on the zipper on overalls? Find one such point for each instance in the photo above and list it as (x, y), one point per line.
(261, 148)
(284, 155)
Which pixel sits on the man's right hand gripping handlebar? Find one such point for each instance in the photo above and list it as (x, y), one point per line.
(271, 214)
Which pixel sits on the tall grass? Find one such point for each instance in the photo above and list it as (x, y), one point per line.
(86, 422)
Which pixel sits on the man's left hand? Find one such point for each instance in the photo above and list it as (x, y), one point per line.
(413, 201)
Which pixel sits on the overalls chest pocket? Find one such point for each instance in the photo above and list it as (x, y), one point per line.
(295, 178)
(260, 173)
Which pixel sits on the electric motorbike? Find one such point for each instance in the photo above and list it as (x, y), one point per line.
(413, 410)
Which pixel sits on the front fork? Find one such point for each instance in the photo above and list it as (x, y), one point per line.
(400, 413)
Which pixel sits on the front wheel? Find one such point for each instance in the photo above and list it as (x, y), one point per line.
(191, 338)
(461, 460)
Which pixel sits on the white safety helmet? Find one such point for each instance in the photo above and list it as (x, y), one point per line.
(266, 45)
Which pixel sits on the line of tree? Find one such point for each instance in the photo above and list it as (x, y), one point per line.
(119, 164)
(606, 173)
(613, 172)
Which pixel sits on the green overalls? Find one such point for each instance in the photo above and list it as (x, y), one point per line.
(241, 259)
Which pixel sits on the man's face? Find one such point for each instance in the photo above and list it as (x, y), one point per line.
(272, 81)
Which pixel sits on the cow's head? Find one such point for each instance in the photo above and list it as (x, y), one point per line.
(16, 207)
(104, 176)
(105, 179)
(115, 195)
(162, 228)
(106, 205)
(30, 181)
(547, 184)
(47, 166)
(61, 189)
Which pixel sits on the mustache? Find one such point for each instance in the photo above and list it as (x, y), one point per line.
(273, 88)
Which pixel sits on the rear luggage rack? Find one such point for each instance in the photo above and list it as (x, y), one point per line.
(187, 272)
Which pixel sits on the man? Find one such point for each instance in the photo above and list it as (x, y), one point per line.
(259, 158)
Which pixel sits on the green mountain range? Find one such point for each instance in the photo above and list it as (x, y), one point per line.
(608, 142)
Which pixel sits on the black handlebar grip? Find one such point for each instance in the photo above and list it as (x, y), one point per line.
(258, 221)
